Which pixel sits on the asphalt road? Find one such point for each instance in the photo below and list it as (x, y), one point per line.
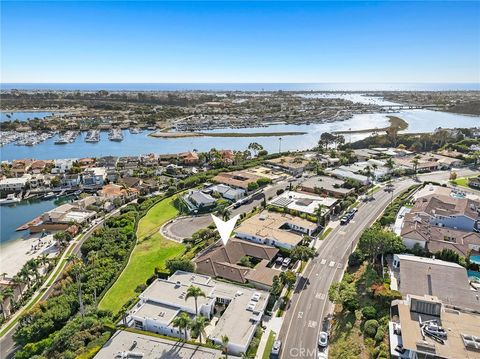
(310, 306)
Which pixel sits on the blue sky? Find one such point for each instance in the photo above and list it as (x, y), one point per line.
(240, 41)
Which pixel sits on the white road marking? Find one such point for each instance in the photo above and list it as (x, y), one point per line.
(339, 265)
(300, 315)
(320, 296)
(331, 264)
(323, 261)
(312, 324)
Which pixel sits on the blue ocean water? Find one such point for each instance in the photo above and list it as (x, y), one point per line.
(243, 86)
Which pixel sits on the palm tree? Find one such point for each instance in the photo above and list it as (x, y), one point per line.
(17, 281)
(194, 292)
(415, 163)
(182, 322)
(25, 275)
(44, 260)
(2, 298)
(77, 271)
(198, 326)
(8, 293)
(390, 164)
(225, 341)
(224, 213)
(320, 215)
(32, 266)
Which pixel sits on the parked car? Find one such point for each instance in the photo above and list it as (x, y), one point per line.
(279, 260)
(286, 262)
(344, 220)
(277, 345)
(323, 339)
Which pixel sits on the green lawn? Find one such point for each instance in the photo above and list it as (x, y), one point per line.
(151, 251)
(269, 345)
(325, 233)
(462, 181)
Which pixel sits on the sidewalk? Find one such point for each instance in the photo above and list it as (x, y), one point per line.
(272, 323)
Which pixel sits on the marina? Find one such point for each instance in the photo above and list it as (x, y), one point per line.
(67, 137)
(135, 144)
(115, 134)
(92, 136)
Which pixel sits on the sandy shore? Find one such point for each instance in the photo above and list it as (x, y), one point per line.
(162, 134)
(14, 254)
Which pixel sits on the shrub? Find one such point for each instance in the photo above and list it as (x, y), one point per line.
(351, 304)
(369, 312)
(380, 334)
(180, 264)
(263, 181)
(355, 259)
(370, 328)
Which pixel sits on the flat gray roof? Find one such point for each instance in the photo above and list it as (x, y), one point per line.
(152, 348)
(160, 312)
(445, 280)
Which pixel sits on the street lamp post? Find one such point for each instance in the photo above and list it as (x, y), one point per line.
(279, 145)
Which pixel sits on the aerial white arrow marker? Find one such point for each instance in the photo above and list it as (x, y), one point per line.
(225, 228)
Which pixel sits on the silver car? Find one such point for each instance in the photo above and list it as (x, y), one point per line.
(323, 339)
(277, 345)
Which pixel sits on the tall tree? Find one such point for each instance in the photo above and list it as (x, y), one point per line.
(182, 322)
(225, 341)
(302, 253)
(194, 292)
(198, 326)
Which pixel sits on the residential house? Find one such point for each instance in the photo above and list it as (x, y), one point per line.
(423, 326)
(109, 162)
(345, 174)
(294, 165)
(114, 191)
(86, 162)
(276, 229)
(94, 176)
(304, 202)
(447, 211)
(14, 184)
(189, 158)
(240, 309)
(38, 166)
(198, 201)
(474, 182)
(227, 192)
(63, 165)
(418, 229)
(223, 261)
(21, 167)
(72, 180)
(37, 180)
(236, 179)
(429, 276)
(326, 186)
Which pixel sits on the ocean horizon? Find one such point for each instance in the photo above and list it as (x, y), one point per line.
(335, 87)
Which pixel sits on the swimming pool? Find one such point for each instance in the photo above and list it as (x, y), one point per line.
(473, 275)
(475, 259)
